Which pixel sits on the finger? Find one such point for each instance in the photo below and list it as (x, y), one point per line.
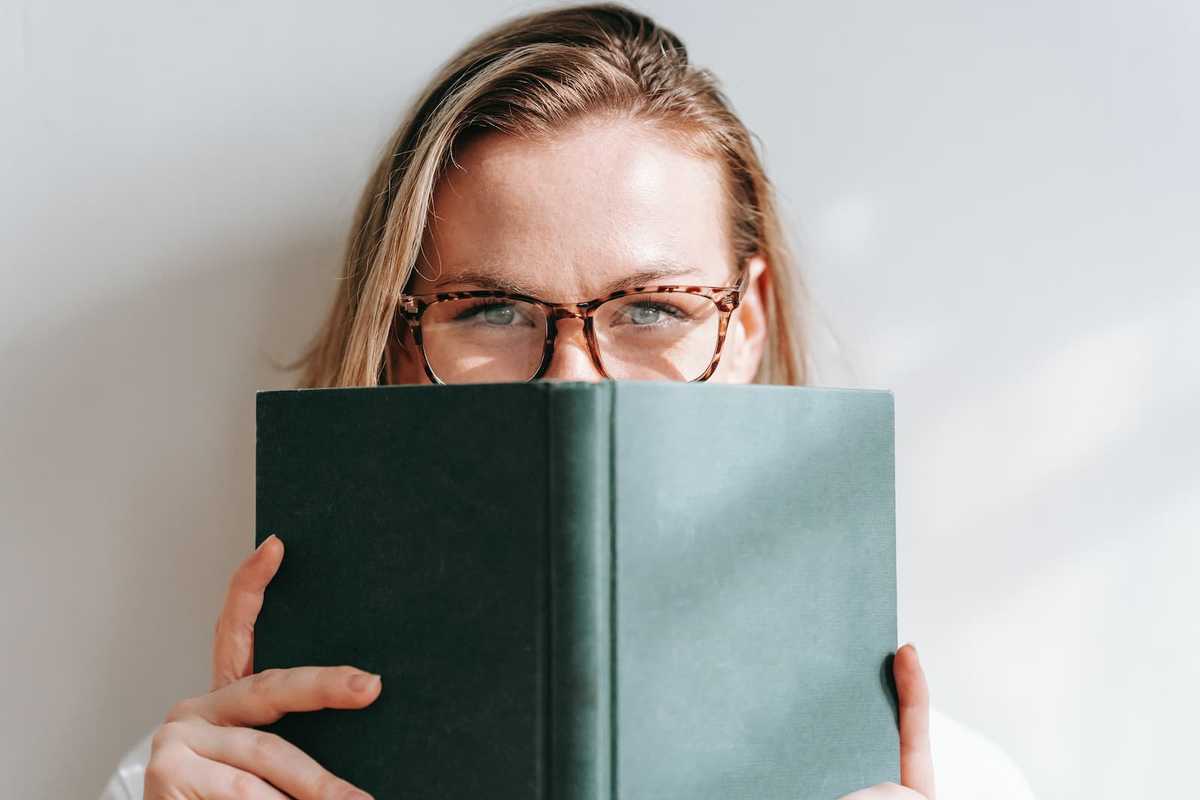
(177, 771)
(264, 697)
(272, 758)
(233, 639)
(916, 756)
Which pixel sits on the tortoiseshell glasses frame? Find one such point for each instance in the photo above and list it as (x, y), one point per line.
(725, 298)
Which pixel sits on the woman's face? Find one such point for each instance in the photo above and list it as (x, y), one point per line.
(600, 207)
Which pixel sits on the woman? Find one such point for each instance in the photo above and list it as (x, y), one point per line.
(564, 157)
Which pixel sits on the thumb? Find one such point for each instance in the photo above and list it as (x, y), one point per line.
(916, 756)
(233, 637)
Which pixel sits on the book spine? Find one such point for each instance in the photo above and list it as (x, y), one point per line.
(579, 530)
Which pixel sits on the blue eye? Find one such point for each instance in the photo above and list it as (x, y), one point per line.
(652, 313)
(492, 313)
(496, 314)
(644, 315)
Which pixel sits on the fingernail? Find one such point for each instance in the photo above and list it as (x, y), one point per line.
(362, 681)
(359, 796)
(264, 541)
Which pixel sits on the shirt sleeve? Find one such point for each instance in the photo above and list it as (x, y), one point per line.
(127, 781)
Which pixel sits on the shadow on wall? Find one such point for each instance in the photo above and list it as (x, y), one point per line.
(127, 489)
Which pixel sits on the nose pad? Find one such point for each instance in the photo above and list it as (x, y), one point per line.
(572, 361)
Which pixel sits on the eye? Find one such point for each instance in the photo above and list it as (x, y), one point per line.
(649, 312)
(499, 313)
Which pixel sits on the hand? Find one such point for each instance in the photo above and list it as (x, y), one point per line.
(916, 759)
(201, 752)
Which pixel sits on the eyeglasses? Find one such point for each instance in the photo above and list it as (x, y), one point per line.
(643, 333)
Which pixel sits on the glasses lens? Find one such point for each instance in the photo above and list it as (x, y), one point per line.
(483, 339)
(657, 335)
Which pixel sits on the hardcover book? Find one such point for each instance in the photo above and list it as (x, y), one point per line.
(576, 591)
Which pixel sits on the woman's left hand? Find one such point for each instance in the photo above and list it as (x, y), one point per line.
(916, 760)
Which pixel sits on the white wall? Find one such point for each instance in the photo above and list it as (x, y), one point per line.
(997, 203)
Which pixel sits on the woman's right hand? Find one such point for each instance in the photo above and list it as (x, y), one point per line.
(204, 750)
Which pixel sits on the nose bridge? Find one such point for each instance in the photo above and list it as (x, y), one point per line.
(572, 357)
(567, 312)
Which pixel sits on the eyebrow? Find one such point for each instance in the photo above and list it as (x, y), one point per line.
(650, 273)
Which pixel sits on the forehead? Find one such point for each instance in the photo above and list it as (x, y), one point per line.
(564, 217)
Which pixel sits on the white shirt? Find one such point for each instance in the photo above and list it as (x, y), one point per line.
(966, 766)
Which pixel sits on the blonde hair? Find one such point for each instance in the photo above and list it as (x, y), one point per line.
(529, 77)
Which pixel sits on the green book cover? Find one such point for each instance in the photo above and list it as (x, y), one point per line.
(576, 591)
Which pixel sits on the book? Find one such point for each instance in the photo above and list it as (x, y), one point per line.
(576, 591)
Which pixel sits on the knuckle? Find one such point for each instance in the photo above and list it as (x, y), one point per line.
(263, 683)
(243, 785)
(165, 734)
(164, 767)
(157, 775)
(262, 747)
(184, 708)
(324, 785)
(329, 785)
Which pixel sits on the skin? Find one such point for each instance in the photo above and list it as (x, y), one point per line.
(565, 219)
(569, 218)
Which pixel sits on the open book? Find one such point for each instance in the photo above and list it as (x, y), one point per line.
(577, 591)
